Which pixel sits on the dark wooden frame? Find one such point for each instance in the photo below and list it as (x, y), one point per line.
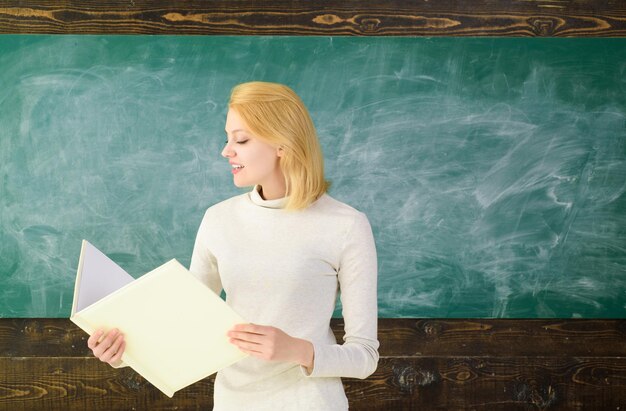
(427, 364)
(558, 18)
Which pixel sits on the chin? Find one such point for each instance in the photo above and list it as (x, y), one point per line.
(242, 184)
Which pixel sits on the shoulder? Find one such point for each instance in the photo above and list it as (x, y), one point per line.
(331, 204)
(339, 211)
(226, 207)
(351, 226)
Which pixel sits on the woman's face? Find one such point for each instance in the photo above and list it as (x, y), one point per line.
(252, 160)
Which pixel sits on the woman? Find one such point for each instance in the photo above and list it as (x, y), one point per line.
(281, 253)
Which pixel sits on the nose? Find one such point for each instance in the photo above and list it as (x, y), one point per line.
(228, 152)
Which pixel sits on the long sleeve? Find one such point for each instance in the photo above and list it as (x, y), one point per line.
(358, 356)
(203, 263)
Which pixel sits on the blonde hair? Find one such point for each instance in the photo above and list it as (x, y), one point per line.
(275, 114)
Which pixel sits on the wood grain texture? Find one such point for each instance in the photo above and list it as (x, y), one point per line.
(558, 18)
(425, 364)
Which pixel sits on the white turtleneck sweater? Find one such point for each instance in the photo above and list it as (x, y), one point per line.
(285, 269)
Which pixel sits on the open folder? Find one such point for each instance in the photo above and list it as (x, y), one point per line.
(174, 326)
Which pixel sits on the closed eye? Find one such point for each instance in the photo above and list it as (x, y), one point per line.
(238, 142)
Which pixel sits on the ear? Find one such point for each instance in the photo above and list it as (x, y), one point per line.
(280, 151)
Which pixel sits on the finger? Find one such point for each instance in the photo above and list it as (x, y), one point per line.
(118, 357)
(108, 340)
(94, 338)
(252, 353)
(246, 344)
(102, 344)
(250, 328)
(249, 348)
(246, 336)
(112, 350)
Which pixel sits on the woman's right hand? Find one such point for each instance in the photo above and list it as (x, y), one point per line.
(108, 348)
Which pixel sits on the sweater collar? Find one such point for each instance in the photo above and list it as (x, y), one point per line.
(256, 198)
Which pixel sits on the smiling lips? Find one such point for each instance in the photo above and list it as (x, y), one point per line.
(236, 168)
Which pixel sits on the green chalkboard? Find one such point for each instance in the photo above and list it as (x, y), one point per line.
(493, 171)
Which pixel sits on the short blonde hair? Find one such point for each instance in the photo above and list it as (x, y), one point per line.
(276, 115)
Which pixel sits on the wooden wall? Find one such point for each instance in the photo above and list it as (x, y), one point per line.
(424, 365)
(562, 18)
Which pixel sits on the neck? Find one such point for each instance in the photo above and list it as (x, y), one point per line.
(272, 193)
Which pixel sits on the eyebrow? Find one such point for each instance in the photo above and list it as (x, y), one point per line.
(235, 131)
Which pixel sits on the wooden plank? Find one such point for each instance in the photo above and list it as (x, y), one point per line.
(426, 364)
(427, 383)
(560, 18)
(399, 337)
(503, 337)
(469, 383)
(62, 383)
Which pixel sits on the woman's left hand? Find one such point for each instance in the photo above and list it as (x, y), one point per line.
(272, 344)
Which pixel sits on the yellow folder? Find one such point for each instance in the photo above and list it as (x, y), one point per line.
(174, 326)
